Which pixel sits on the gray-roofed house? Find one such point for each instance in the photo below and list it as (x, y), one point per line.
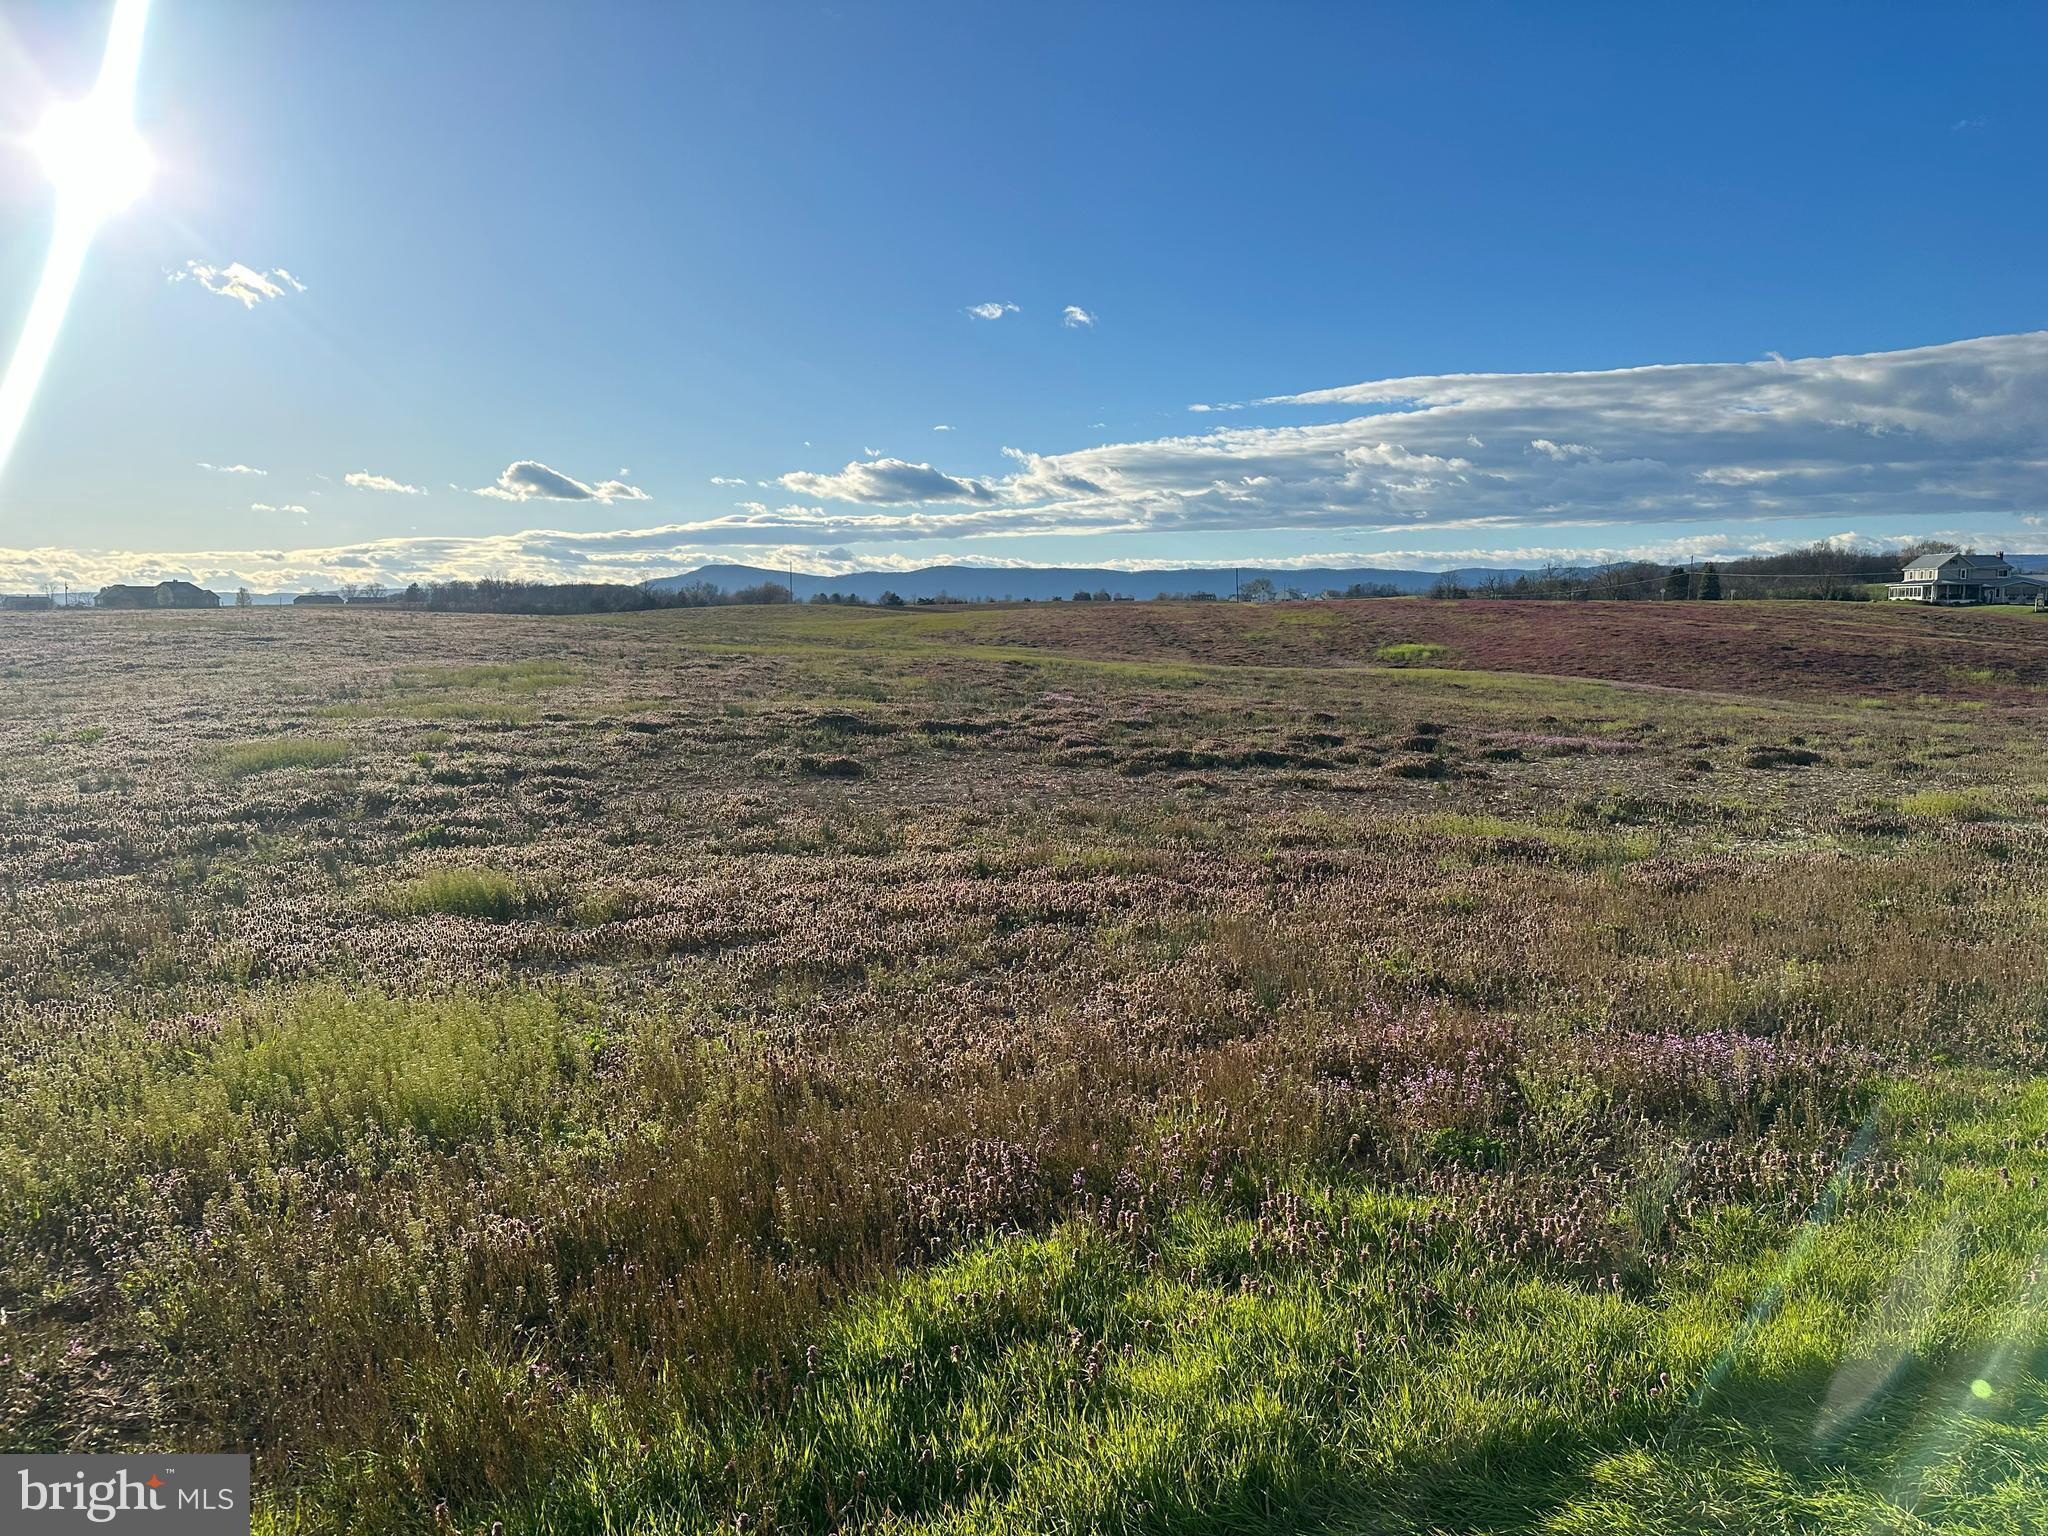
(1964, 577)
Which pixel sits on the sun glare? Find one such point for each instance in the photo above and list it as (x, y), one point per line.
(99, 165)
(93, 155)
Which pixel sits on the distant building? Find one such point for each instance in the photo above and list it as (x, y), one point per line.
(309, 599)
(183, 594)
(33, 602)
(1962, 577)
(165, 594)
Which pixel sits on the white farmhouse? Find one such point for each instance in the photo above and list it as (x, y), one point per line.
(1964, 577)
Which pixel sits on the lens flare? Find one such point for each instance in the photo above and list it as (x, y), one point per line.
(98, 163)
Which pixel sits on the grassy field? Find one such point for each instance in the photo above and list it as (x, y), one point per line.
(1362, 1067)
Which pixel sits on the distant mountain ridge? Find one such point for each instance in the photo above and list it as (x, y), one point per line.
(980, 583)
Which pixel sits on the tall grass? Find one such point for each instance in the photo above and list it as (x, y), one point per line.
(249, 757)
(1966, 804)
(510, 676)
(487, 893)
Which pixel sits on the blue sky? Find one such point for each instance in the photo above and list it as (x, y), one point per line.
(651, 248)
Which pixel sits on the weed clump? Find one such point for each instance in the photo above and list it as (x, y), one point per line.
(834, 767)
(1411, 653)
(1780, 757)
(1972, 804)
(248, 757)
(486, 893)
(843, 723)
(1430, 767)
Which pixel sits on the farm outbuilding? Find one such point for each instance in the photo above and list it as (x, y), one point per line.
(165, 594)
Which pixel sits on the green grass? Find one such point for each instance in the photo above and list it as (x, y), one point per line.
(1411, 653)
(486, 893)
(1971, 804)
(313, 1073)
(1347, 1360)
(248, 757)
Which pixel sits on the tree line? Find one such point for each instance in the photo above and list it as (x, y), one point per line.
(1819, 572)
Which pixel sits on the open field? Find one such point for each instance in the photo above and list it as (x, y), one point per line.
(1371, 1067)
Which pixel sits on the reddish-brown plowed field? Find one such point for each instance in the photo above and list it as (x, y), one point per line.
(1779, 649)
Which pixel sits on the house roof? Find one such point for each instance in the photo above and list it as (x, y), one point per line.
(1965, 563)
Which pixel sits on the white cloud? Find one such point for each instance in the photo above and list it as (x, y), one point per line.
(774, 539)
(989, 311)
(942, 427)
(363, 480)
(887, 482)
(1954, 431)
(1040, 477)
(233, 469)
(291, 506)
(727, 480)
(247, 286)
(1741, 474)
(1388, 456)
(530, 480)
(1945, 440)
(1075, 315)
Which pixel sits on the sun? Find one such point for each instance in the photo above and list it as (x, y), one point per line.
(89, 148)
(98, 163)
(93, 156)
